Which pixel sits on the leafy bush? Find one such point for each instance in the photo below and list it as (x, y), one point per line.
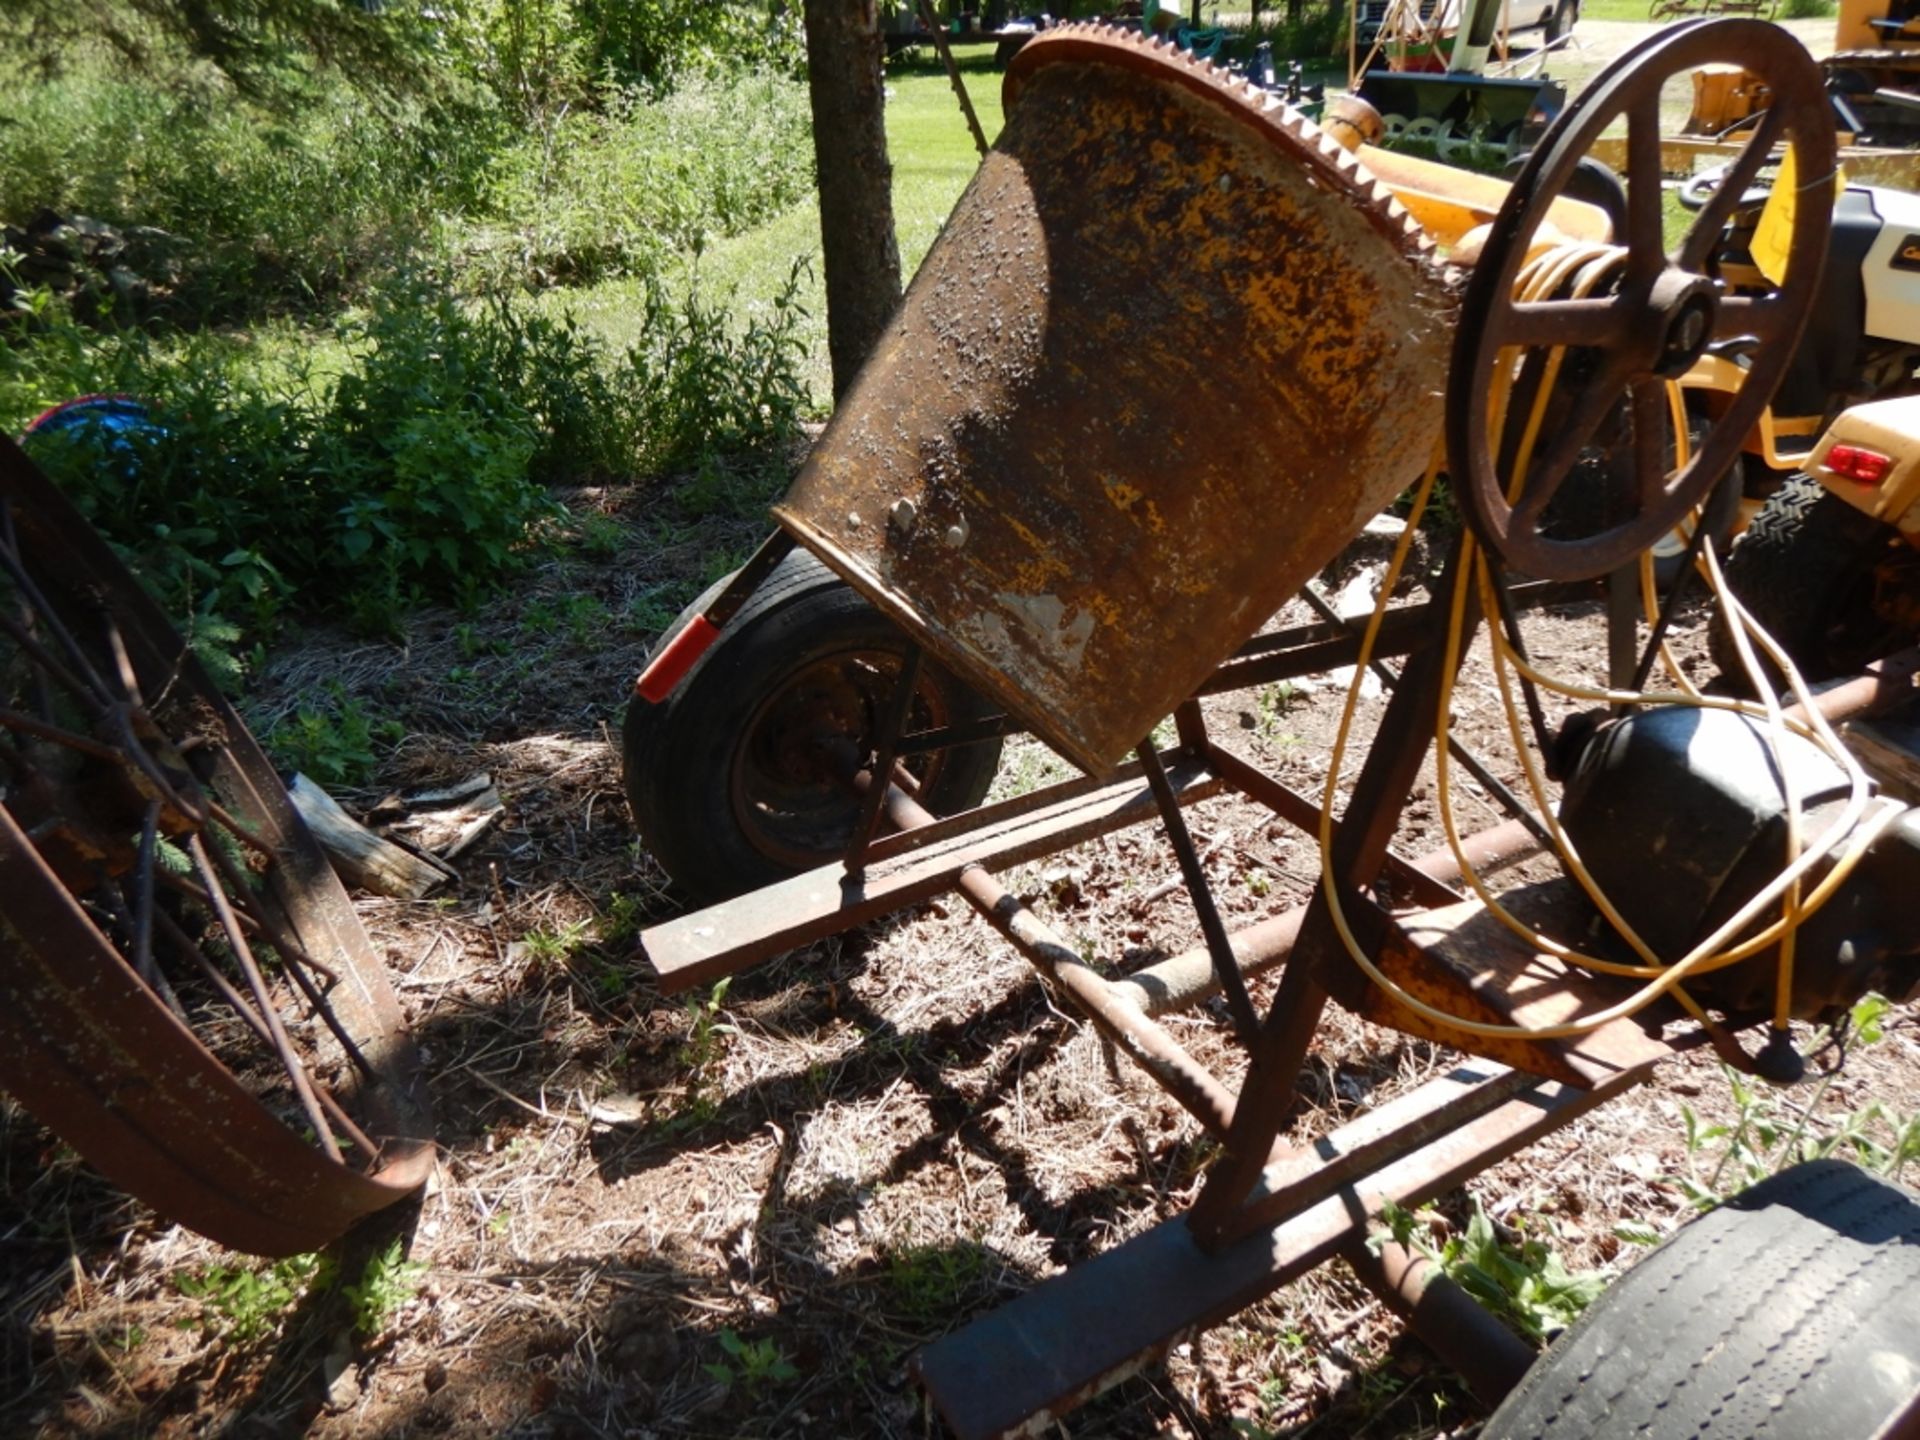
(625, 188)
(252, 208)
(230, 209)
(413, 474)
(701, 396)
(408, 477)
(540, 56)
(1524, 1283)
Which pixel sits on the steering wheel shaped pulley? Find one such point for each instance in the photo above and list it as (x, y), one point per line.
(1535, 382)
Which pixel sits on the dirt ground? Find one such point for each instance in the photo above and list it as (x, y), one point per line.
(741, 1213)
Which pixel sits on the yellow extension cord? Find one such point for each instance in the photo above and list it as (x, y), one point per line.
(1573, 271)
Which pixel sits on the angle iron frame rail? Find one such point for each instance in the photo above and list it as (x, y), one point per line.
(1269, 1210)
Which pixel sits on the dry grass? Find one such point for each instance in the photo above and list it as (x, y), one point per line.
(740, 1213)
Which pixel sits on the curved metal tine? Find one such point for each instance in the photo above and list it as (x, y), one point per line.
(42, 696)
(143, 899)
(122, 662)
(292, 953)
(242, 1007)
(56, 735)
(44, 665)
(31, 594)
(251, 921)
(256, 982)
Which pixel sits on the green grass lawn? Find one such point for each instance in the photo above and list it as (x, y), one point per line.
(1613, 10)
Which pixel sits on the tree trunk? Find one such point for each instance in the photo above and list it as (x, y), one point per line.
(861, 256)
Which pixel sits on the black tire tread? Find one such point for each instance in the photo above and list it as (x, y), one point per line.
(1799, 570)
(1755, 1319)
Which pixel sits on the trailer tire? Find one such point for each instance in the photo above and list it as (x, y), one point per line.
(1805, 571)
(1596, 503)
(718, 774)
(1790, 1310)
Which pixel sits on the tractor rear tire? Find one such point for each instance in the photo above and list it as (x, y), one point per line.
(1789, 1311)
(1805, 571)
(724, 775)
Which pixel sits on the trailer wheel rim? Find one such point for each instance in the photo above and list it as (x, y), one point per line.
(787, 797)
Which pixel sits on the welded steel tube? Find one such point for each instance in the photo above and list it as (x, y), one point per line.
(1186, 979)
(1455, 1326)
(1118, 1018)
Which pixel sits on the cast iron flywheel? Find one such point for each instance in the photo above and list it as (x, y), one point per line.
(1533, 382)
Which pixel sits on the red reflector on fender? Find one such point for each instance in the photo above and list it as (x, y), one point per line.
(1869, 467)
(670, 666)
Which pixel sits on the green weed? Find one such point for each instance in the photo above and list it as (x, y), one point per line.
(652, 611)
(1527, 1285)
(335, 742)
(929, 1282)
(553, 949)
(387, 1283)
(1275, 703)
(620, 922)
(722, 403)
(706, 1044)
(751, 1364)
(600, 536)
(244, 1304)
(1768, 1134)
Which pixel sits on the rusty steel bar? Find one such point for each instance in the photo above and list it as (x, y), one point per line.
(886, 747)
(928, 19)
(1185, 980)
(1361, 847)
(243, 956)
(903, 869)
(1466, 1336)
(1882, 684)
(1219, 946)
(1065, 1341)
(1390, 677)
(1150, 1047)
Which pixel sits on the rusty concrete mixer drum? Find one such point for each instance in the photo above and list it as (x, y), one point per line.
(1172, 350)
